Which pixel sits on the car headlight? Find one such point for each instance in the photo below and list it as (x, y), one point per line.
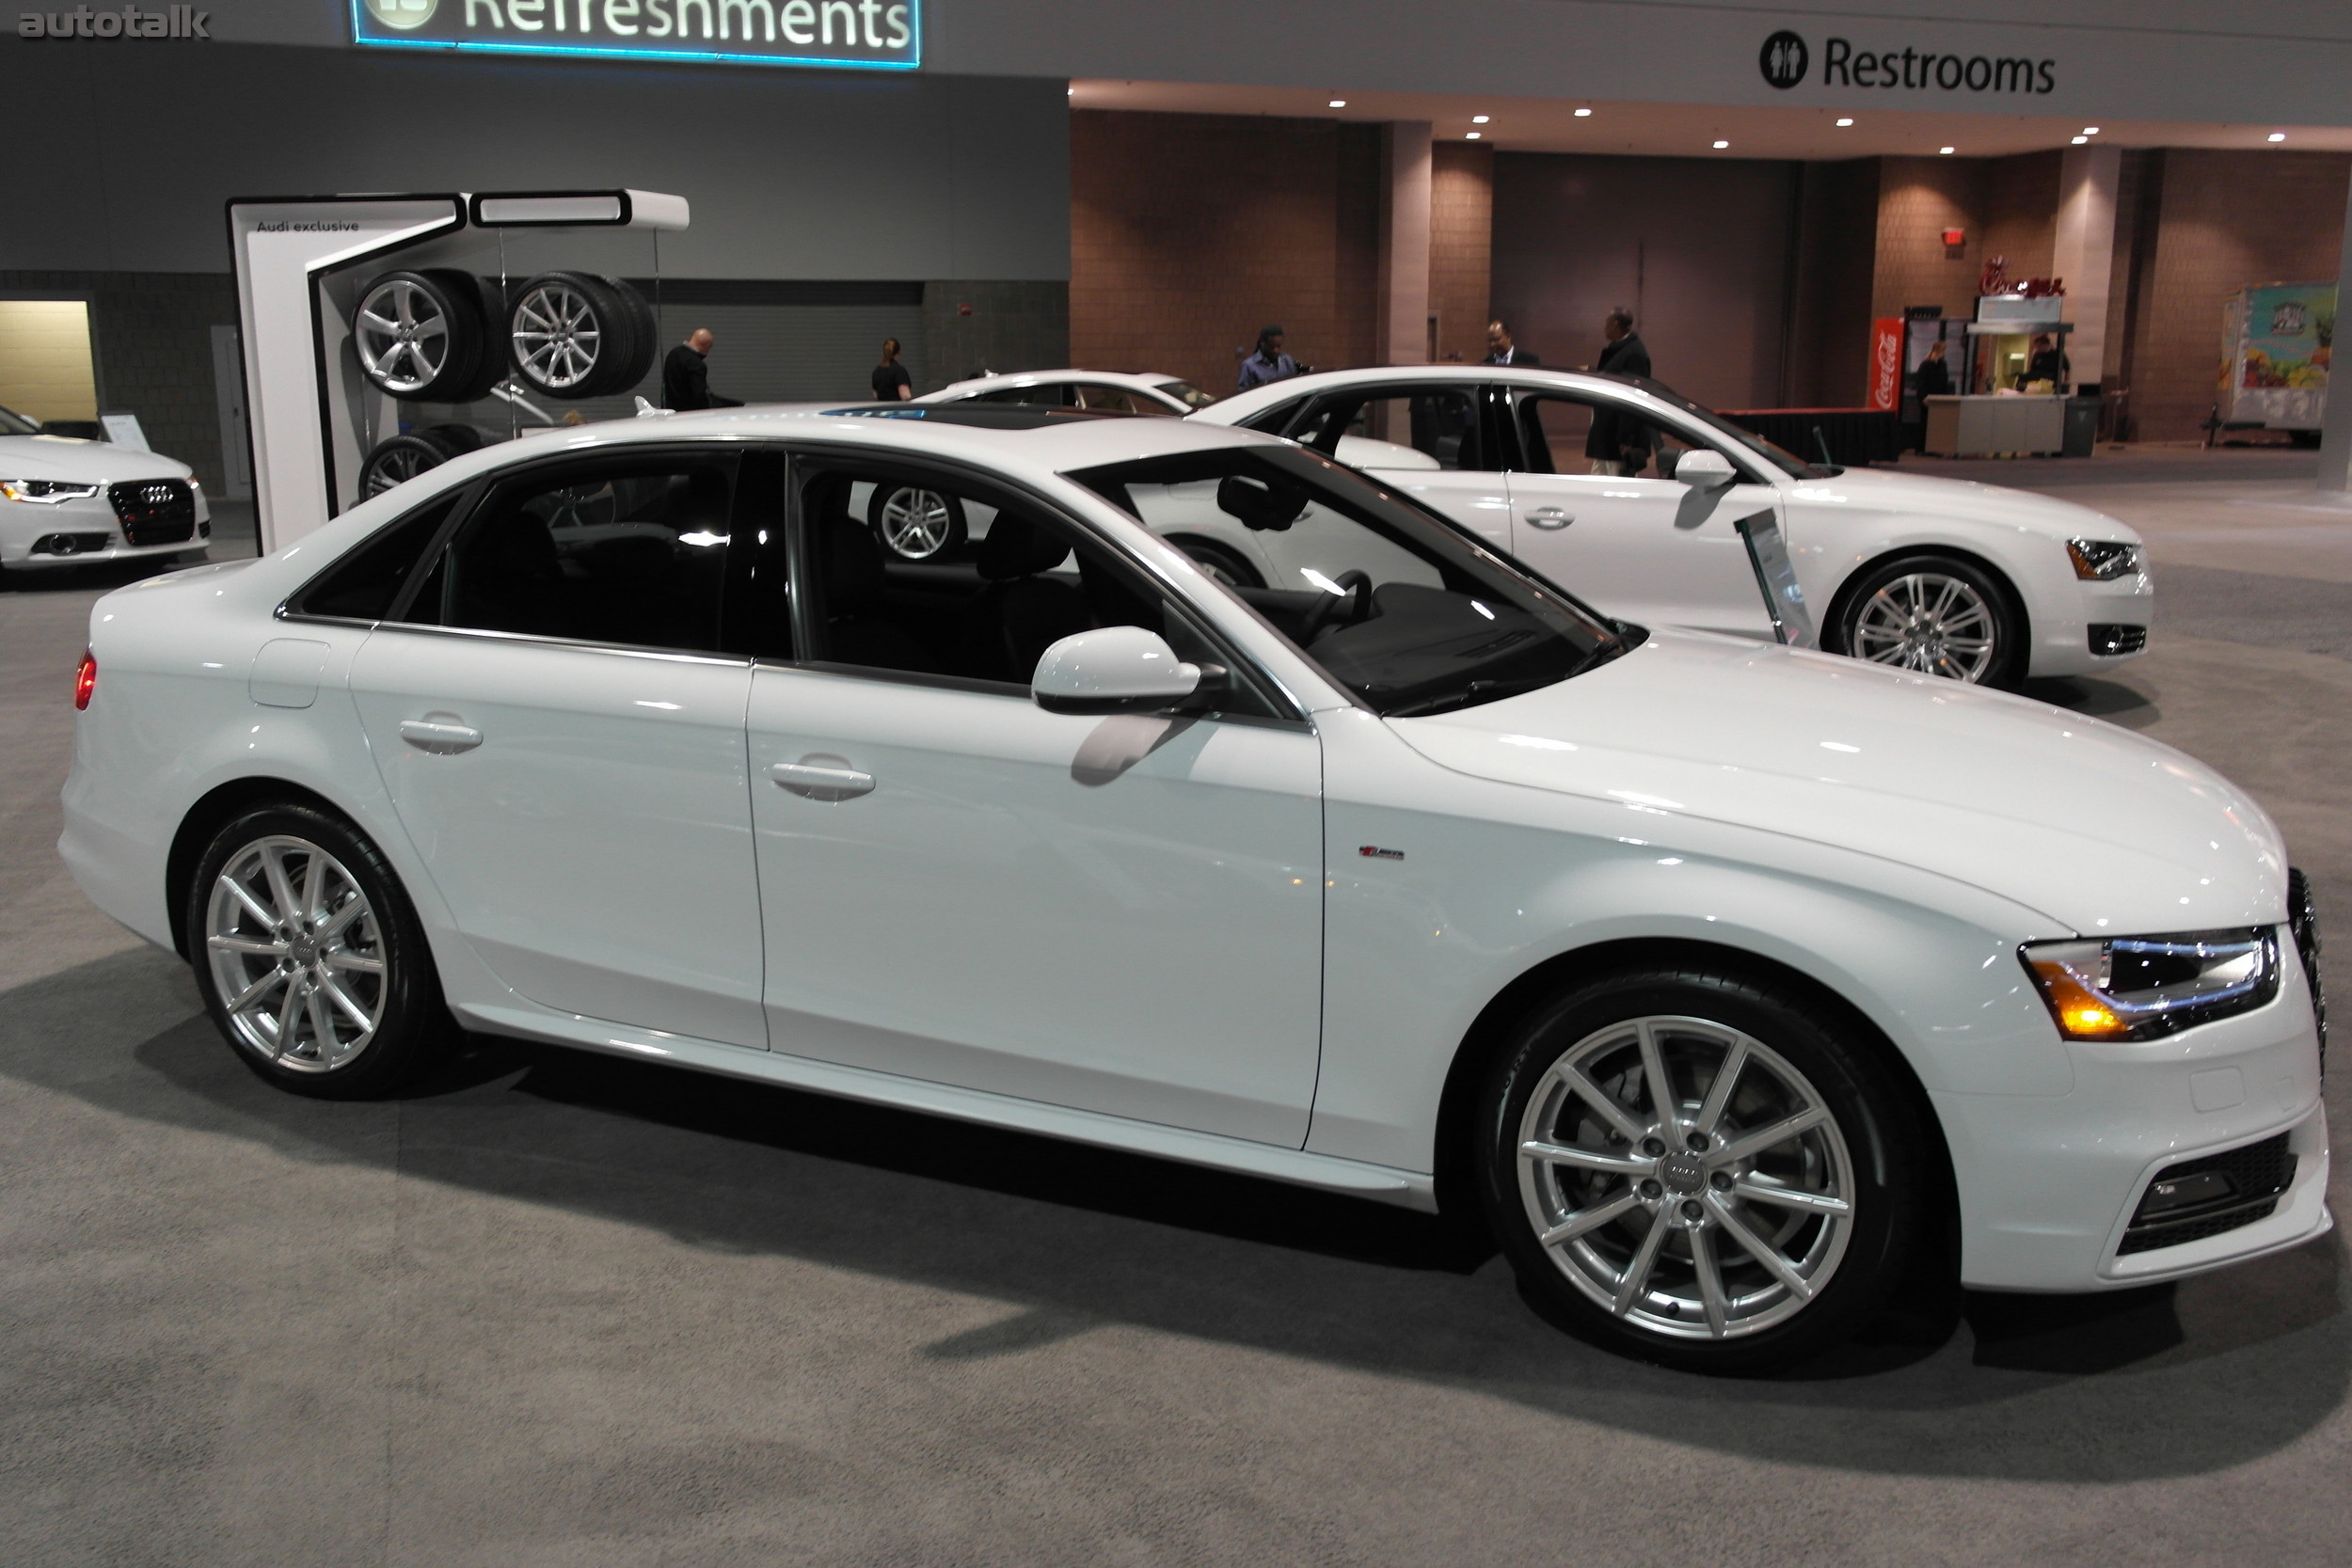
(2144, 988)
(45, 492)
(2103, 560)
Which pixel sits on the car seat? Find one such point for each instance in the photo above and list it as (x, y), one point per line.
(1021, 613)
(858, 627)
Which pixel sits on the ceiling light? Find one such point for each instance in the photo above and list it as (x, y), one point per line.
(1472, 136)
(2091, 130)
(1720, 145)
(2079, 140)
(1582, 114)
(2278, 135)
(1339, 102)
(1845, 122)
(1480, 119)
(1946, 150)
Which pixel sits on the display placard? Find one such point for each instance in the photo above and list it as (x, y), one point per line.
(872, 35)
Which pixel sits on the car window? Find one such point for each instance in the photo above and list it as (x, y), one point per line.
(12, 423)
(1560, 433)
(981, 609)
(1047, 394)
(1187, 393)
(1439, 423)
(363, 585)
(1399, 606)
(627, 550)
(1114, 400)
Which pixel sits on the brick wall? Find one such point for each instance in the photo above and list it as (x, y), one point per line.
(2212, 223)
(2019, 202)
(1189, 232)
(1014, 327)
(1919, 198)
(1461, 246)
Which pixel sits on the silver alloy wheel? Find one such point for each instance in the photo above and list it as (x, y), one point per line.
(1686, 1178)
(1929, 622)
(296, 953)
(402, 335)
(558, 338)
(396, 467)
(916, 524)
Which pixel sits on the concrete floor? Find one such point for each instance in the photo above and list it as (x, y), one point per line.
(559, 1310)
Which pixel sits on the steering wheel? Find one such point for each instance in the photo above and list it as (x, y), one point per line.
(1355, 596)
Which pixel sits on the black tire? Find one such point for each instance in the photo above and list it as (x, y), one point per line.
(398, 458)
(1221, 561)
(1870, 1153)
(573, 335)
(460, 437)
(422, 336)
(913, 523)
(1976, 587)
(411, 1026)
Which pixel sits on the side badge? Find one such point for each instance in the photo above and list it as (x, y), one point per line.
(1374, 852)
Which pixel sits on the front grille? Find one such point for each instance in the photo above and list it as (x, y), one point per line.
(70, 543)
(155, 510)
(2110, 637)
(2303, 922)
(2253, 1177)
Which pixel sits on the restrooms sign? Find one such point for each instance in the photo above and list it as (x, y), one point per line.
(875, 35)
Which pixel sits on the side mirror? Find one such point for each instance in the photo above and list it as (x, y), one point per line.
(1706, 469)
(1118, 670)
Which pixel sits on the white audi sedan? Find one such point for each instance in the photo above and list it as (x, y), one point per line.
(1104, 391)
(1636, 496)
(1726, 982)
(65, 501)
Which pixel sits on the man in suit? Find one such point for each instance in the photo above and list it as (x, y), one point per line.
(1501, 350)
(1619, 444)
(685, 375)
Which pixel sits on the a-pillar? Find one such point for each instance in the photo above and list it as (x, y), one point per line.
(2335, 440)
(1403, 326)
(2084, 254)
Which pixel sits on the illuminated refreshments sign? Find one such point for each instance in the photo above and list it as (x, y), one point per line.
(874, 35)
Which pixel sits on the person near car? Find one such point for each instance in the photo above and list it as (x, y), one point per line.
(1269, 363)
(891, 382)
(685, 375)
(1501, 349)
(1619, 443)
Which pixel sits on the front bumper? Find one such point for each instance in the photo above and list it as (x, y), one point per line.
(2069, 638)
(85, 532)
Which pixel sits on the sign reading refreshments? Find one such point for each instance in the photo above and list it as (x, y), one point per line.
(881, 35)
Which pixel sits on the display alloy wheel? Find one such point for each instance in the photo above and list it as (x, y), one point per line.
(915, 524)
(1936, 616)
(309, 958)
(421, 335)
(1689, 1168)
(397, 459)
(574, 336)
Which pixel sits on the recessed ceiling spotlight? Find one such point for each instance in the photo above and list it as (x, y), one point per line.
(1480, 119)
(1720, 145)
(1845, 122)
(1583, 114)
(1472, 136)
(2079, 140)
(1074, 92)
(2091, 130)
(2278, 135)
(1946, 150)
(1339, 102)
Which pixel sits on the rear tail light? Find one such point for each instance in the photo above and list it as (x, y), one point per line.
(84, 681)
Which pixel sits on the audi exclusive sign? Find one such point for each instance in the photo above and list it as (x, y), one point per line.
(882, 35)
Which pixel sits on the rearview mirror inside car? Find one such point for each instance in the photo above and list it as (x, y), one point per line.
(1118, 670)
(1268, 504)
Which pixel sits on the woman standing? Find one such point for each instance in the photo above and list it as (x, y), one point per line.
(891, 382)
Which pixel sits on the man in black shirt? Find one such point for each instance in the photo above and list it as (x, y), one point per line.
(685, 375)
(1501, 349)
(1618, 443)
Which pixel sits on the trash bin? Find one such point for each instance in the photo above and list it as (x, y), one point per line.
(2082, 427)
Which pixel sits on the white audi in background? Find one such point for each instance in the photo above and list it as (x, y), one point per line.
(1728, 982)
(1101, 391)
(65, 501)
(1965, 580)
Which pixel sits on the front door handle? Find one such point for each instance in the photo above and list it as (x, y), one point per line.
(440, 739)
(1550, 518)
(822, 777)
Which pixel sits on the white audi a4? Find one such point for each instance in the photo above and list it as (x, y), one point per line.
(1635, 496)
(1726, 982)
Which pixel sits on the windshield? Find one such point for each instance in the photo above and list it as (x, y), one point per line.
(1393, 602)
(1187, 393)
(1779, 456)
(17, 424)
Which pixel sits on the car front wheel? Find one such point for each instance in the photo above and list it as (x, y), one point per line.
(309, 958)
(1935, 615)
(1690, 1167)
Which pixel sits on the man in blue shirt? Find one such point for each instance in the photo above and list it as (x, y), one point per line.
(1269, 363)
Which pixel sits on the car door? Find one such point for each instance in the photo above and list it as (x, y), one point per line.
(1433, 440)
(1120, 915)
(1620, 531)
(560, 729)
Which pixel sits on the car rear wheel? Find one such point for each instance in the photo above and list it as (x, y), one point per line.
(915, 524)
(1935, 615)
(310, 957)
(1690, 1167)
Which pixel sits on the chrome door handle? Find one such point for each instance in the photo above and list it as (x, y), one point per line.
(1550, 516)
(822, 777)
(441, 741)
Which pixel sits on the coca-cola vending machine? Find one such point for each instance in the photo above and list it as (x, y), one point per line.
(1886, 365)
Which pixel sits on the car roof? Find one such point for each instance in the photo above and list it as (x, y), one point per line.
(1144, 380)
(1243, 404)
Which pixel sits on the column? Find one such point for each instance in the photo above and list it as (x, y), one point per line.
(1404, 335)
(2087, 180)
(2335, 440)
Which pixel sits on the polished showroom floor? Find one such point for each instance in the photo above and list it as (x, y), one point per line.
(558, 1309)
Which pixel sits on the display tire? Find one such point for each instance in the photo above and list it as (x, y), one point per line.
(397, 459)
(1796, 1048)
(412, 1027)
(443, 366)
(550, 316)
(908, 531)
(2005, 666)
(460, 438)
(1221, 561)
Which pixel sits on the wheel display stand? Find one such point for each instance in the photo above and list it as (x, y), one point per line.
(385, 334)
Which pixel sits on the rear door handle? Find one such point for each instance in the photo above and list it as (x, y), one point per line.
(440, 739)
(1550, 516)
(822, 777)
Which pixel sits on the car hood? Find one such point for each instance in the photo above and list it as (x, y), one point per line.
(70, 458)
(1920, 494)
(2098, 828)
